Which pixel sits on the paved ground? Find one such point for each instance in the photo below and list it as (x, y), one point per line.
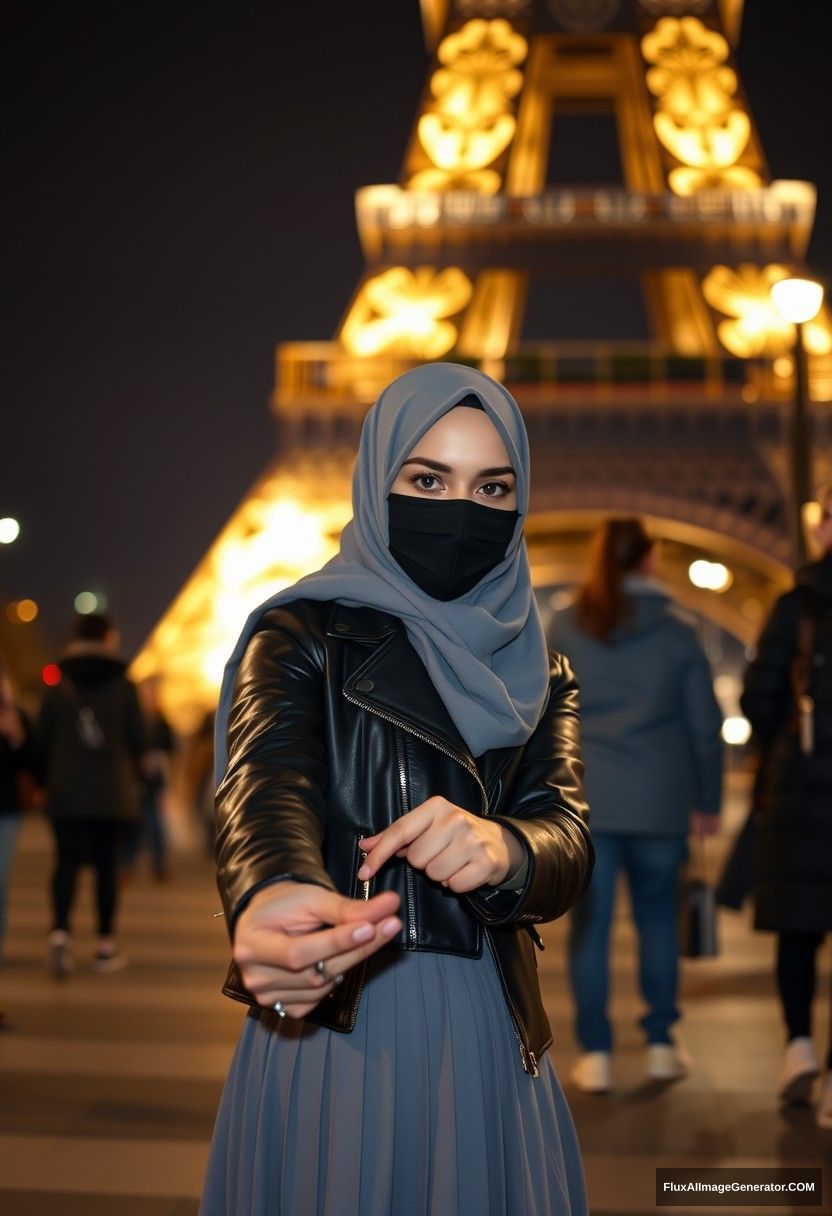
(108, 1084)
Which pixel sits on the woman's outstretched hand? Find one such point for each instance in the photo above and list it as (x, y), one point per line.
(452, 846)
(289, 927)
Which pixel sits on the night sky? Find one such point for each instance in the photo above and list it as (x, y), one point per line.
(180, 178)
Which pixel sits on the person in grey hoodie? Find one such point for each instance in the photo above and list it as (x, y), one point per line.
(651, 737)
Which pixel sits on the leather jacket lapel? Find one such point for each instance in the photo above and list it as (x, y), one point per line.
(393, 664)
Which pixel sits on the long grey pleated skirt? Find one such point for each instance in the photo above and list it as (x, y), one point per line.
(423, 1110)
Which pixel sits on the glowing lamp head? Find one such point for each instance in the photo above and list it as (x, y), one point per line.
(9, 530)
(797, 300)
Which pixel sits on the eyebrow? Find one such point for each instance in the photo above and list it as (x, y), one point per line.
(446, 468)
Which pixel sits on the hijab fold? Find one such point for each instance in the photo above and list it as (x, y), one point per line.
(485, 651)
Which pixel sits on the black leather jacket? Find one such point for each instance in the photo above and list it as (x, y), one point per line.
(335, 731)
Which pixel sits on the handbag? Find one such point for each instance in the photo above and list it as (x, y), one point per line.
(698, 928)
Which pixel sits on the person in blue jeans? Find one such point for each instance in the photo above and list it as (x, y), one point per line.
(651, 738)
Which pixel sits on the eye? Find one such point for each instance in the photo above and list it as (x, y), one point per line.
(427, 482)
(495, 489)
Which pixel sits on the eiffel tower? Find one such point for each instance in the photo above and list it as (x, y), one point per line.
(688, 429)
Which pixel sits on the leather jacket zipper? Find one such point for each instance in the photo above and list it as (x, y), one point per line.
(411, 730)
(527, 1057)
(408, 869)
(359, 988)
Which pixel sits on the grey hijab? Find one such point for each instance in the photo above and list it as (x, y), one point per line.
(485, 651)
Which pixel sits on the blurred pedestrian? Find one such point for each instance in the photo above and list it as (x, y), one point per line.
(150, 830)
(651, 741)
(788, 700)
(91, 741)
(15, 748)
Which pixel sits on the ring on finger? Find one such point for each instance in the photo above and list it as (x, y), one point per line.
(320, 967)
(279, 1010)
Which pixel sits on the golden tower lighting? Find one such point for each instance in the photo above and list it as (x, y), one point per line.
(453, 245)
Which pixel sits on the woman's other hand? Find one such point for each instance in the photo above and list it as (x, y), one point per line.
(460, 850)
(289, 927)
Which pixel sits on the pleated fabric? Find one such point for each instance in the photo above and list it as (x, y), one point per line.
(424, 1110)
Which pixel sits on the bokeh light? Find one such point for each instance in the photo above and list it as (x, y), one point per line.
(736, 731)
(27, 611)
(51, 674)
(87, 602)
(9, 530)
(710, 576)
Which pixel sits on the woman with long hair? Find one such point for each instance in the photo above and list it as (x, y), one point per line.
(651, 741)
(399, 806)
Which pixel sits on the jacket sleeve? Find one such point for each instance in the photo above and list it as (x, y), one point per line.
(548, 814)
(703, 725)
(270, 803)
(767, 699)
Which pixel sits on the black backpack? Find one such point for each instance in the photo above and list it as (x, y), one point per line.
(87, 726)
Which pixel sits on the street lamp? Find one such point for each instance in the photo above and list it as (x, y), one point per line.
(9, 530)
(798, 301)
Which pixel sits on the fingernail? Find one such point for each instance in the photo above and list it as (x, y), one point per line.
(364, 933)
(364, 872)
(391, 927)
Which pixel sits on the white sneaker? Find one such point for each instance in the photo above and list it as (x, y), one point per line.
(800, 1068)
(667, 1061)
(823, 1117)
(593, 1072)
(60, 960)
(108, 960)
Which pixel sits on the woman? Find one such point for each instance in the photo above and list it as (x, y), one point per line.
(400, 805)
(651, 735)
(793, 880)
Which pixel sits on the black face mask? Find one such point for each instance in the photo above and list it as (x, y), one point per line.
(447, 546)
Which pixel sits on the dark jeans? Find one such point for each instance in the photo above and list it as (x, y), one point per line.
(652, 865)
(796, 982)
(81, 842)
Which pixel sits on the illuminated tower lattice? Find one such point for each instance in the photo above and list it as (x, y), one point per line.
(688, 428)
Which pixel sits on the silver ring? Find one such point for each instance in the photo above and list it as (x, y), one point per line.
(320, 967)
(279, 1010)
